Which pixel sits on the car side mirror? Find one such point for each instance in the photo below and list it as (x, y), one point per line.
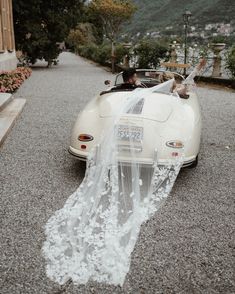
(107, 82)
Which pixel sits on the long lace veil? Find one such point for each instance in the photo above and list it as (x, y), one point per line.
(93, 235)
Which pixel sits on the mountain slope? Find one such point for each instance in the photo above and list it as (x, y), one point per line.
(157, 14)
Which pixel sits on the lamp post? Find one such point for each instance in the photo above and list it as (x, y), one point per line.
(186, 17)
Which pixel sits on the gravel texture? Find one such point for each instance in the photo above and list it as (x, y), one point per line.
(187, 247)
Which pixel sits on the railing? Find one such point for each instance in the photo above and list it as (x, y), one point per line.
(208, 70)
(215, 66)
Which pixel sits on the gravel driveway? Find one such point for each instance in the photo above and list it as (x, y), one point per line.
(187, 247)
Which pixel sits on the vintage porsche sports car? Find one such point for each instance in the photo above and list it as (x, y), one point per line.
(159, 126)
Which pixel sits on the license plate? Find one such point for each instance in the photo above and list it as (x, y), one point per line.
(130, 133)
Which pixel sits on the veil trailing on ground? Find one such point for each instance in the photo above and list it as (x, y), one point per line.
(93, 235)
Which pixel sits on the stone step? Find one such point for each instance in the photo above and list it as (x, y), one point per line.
(8, 117)
(5, 98)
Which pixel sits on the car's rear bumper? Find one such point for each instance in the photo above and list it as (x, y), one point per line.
(82, 155)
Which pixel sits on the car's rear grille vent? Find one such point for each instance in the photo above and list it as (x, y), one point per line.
(137, 108)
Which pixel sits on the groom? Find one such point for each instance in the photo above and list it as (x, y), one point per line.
(130, 79)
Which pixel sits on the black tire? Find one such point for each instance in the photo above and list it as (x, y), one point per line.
(194, 163)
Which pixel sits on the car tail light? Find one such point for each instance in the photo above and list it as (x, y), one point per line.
(85, 137)
(175, 144)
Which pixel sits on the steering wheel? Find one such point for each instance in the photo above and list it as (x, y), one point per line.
(144, 85)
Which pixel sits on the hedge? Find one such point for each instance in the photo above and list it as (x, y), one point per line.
(102, 53)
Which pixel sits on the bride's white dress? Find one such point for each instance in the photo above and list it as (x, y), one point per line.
(93, 235)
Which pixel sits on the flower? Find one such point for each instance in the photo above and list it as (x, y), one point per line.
(12, 80)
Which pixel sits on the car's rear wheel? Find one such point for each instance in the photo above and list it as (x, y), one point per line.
(194, 163)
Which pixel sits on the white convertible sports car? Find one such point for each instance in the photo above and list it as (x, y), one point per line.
(160, 125)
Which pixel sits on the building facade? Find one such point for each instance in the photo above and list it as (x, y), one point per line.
(8, 60)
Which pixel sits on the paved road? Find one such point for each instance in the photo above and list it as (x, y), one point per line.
(187, 247)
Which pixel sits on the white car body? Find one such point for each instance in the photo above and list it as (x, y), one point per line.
(160, 120)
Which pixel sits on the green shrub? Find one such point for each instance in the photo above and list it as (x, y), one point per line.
(230, 61)
(121, 51)
(102, 53)
(150, 54)
(218, 39)
(88, 51)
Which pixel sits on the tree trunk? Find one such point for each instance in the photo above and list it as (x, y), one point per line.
(113, 57)
(49, 63)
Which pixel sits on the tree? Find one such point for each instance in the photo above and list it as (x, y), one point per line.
(97, 25)
(40, 24)
(113, 14)
(83, 34)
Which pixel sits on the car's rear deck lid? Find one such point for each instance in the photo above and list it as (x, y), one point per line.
(155, 106)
